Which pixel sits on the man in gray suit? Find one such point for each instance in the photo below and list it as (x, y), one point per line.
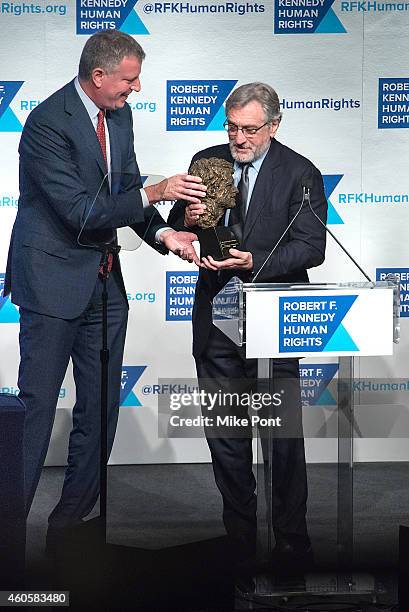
(69, 144)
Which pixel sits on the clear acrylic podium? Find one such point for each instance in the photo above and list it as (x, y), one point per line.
(327, 320)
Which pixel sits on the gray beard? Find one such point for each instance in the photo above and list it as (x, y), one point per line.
(259, 152)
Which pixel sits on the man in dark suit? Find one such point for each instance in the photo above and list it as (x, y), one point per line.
(68, 206)
(273, 175)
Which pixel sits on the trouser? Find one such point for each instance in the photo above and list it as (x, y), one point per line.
(46, 345)
(222, 366)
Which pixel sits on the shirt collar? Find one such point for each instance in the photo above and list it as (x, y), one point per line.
(90, 106)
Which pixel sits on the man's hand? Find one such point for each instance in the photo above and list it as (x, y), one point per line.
(242, 260)
(192, 214)
(179, 187)
(180, 243)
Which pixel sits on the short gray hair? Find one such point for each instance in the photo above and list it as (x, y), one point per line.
(260, 92)
(106, 50)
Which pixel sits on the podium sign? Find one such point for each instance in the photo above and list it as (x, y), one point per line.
(276, 320)
(305, 323)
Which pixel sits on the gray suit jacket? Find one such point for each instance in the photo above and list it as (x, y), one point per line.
(61, 171)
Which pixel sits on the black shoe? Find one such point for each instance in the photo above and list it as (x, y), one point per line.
(59, 540)
(68, 540)
(290, 559)
(244, 585)
(244, 569)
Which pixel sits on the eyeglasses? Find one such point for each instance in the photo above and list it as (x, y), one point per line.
(232, 129)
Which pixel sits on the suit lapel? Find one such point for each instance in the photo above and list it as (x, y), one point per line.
(82, 124)
(264, 188)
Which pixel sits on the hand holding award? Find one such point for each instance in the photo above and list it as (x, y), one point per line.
(217, 175)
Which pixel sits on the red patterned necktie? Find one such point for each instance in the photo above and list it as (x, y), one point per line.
(101, 135)
(102, 142)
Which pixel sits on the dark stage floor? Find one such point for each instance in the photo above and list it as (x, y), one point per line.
(171, 517)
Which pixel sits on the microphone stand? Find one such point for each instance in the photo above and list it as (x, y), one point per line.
(306, 186)
(306, 197)
(104, 359)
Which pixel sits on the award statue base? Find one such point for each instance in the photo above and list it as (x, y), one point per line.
(216, 241)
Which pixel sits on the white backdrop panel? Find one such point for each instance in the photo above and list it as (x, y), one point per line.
(355, 156)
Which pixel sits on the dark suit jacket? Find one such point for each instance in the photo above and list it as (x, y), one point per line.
(61, 171)
(275, 200)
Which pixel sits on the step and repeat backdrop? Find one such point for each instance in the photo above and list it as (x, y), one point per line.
(340, 68)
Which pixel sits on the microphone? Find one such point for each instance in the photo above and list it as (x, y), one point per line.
(306, 185)
(306, 188)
